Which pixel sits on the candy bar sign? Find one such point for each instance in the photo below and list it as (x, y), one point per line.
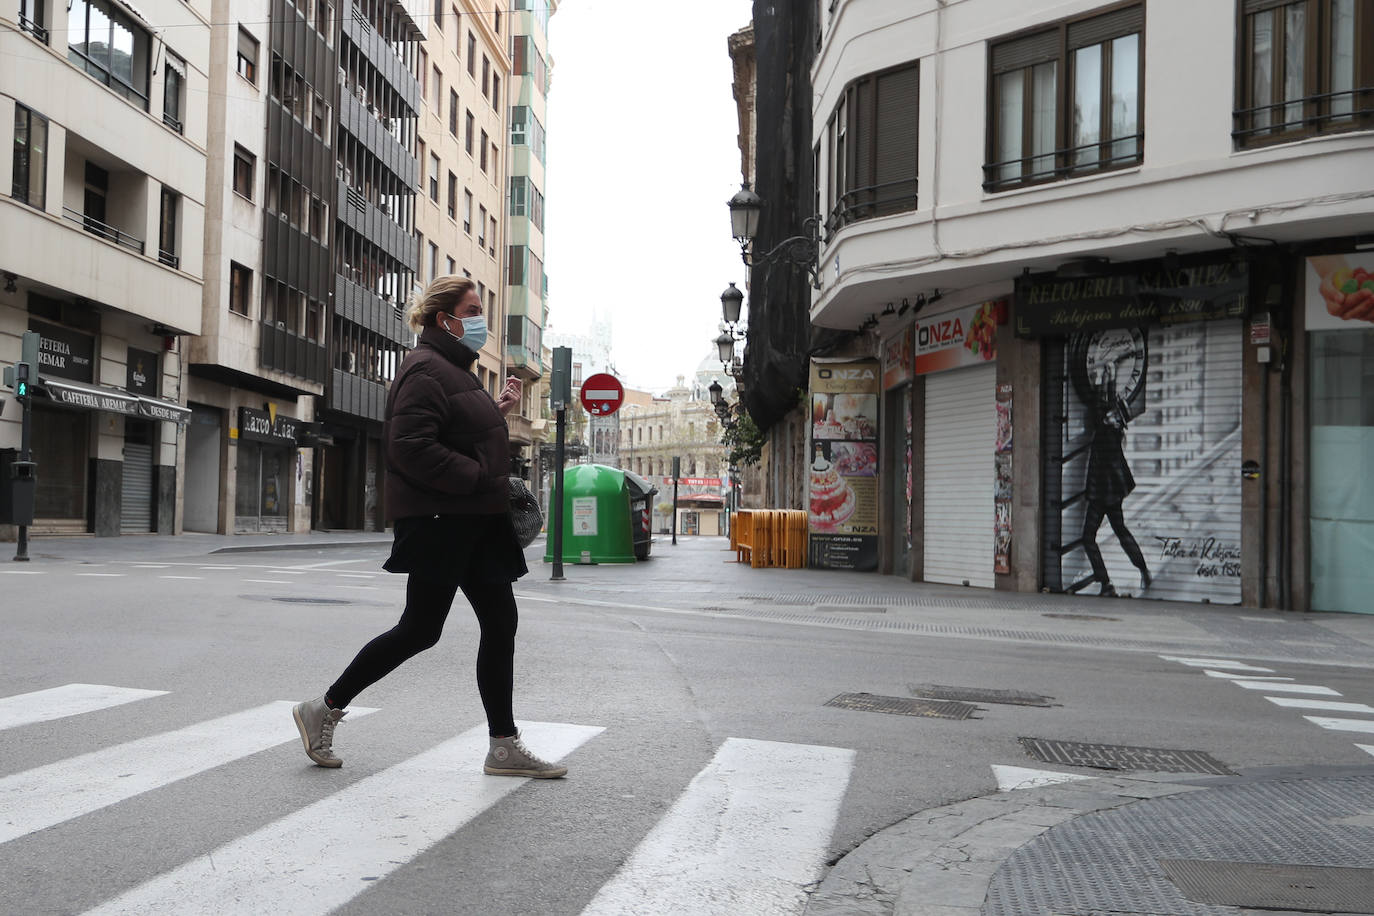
(967, 337)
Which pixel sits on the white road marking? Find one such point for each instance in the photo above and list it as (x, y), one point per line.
(357, 575)
(1264, 619)
(319, 857)
(152, 565)
(1367, 748)
(1328, 705)
(1316, 689)
(271, 581)
(39, 798)
(67, 700)
(104, 575)
(305, 566)
(1230, 675)
(1214, 663)
(747, 836)
(1011, 778)
(361, 588)
(218, 567)
(23, 572)
(1343, 725)
(197, 578)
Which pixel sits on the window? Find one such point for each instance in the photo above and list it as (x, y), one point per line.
(173, 89)
(486, 77)
(491, 238)
(525, 130)
(30, 158)
(467, 211)
(240, 288)
(481, 227)
(324, 12)
(472, 54)
(470, 125)
(433, 262)
(515, 265)
(167, 229)
(872, 142)
(1304, 70)
(434, 169)
(452, 266)
(439, 14)
(421, 160)
(498, 22)
(452, 195)
(247, 61)
(453, 112)
(457, 32)
(244, 167)
(495, 92)
(1066, 101)
(438, 87)
(110, 46)
(485, 144)
(33, 18)
(424, 74)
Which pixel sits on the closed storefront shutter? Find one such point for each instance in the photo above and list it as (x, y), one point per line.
(1143, 449)
(136, 511)
(960, 438)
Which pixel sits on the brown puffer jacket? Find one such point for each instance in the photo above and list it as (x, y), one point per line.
(447, 445)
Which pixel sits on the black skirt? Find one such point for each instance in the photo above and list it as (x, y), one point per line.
(463, 548)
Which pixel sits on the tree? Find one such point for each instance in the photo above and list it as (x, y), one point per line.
(743, 441)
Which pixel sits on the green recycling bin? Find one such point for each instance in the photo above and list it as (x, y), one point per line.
(597, 526)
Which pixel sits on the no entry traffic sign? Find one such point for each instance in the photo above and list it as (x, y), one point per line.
(602, 394)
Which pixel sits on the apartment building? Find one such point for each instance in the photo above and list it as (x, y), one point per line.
(464, 75)
(104, 133)
(1098, 286)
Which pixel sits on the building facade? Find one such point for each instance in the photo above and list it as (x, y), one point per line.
(682, 425)
(1116, 310)
(103, 226)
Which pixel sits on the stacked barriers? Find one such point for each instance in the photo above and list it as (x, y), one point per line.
(769, 537)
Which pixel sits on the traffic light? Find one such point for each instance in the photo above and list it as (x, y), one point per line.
(17, 377)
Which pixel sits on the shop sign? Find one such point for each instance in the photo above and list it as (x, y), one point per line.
(693, 481)
(142, 372)
(842, 489)
(967, 337)
(1147, 294)
(94, 398)
(897, 364)
(1340, 292)
(64, 353)
(259, 426)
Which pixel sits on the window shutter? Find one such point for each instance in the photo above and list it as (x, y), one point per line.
(1024, 52)
(862, 131)
(1259, 6)
(895, 160)
(1102, 28)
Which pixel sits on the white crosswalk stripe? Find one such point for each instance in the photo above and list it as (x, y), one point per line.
(67, 700)
(1315, 689)
(747, 836)
(1215, 663)
(39, 798)
(1327, 705)
(1343, 725)
(325, 854)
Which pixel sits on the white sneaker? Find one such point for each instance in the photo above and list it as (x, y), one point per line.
(315, 721)
(510, 757)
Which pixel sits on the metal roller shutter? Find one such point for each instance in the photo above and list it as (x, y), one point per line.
(136, 511)
(960, 437)
(1182, 448)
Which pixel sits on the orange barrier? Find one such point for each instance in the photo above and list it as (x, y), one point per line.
(769, 537)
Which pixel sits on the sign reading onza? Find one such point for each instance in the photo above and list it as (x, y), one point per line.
(602, 394)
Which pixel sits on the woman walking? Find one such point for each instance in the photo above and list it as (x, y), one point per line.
(448, 459)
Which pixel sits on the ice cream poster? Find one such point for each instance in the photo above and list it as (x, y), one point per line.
(842, 474)
(1340, 292)
(967, 337)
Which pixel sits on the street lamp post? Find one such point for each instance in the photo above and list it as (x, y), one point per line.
(798, 250)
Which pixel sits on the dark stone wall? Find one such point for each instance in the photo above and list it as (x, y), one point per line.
(107, 496)
(781, 338)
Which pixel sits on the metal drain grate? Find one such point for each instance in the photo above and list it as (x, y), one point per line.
(1121, 757)
(1309, 888)
(849, 609)
(311, 600)
(980, 695)
(903, 706)
(1083, 617)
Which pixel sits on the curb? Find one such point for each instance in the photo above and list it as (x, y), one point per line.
(939, 862)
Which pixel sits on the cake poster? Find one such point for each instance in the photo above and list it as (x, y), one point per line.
(842, 477)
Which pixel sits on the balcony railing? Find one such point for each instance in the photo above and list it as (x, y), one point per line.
(170, 259)
(172, 122)
(109, 233)
(1065, 163)
(1315, 114)
(33, 28)
(875, 200)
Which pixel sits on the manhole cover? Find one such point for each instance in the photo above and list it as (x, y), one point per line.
(1121, 757)
(849, 609)
(903, 706)
(979, 695)
(1308, 888)
(311, 600)
(1083, 617)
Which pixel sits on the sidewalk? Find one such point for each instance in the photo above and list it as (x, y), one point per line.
(89, 549)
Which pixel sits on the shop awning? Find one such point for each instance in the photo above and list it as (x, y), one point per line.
(95, 397)
(163, 410)
(114, 400)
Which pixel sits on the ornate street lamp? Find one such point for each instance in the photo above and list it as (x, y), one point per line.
(799, 250)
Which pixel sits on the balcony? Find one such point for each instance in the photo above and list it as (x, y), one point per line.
(107, 232)
(284, 351)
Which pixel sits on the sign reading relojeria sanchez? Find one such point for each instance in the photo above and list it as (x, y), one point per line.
(1148, 294)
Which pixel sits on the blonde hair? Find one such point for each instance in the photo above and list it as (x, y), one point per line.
(440, 296)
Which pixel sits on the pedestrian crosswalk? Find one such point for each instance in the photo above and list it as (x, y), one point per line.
(748, 834)
(1268, 680)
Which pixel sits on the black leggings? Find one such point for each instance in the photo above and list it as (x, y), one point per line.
(427, 605)
(1091, 522)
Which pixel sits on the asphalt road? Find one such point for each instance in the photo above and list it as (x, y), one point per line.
(674, 683)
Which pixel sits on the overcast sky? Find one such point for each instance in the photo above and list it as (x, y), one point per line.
(642, 157)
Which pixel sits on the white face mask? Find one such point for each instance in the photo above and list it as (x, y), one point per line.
(474, 335)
